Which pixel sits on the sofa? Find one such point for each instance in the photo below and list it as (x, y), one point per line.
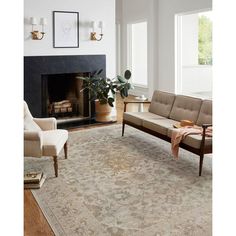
(167, 109)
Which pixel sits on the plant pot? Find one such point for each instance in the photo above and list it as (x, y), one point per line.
(104, 112)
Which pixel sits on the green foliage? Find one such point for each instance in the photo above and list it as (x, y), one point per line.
(205, 41)
(104, 89)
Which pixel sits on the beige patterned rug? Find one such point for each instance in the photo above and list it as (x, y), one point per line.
(113, 185)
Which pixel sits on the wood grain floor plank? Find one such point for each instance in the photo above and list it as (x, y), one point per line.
(35, 224)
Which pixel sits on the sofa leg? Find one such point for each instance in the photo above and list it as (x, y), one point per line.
(55, 165)
(200, 164)
(65, 150)
(123, 128)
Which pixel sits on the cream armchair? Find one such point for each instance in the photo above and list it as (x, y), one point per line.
(42, 138)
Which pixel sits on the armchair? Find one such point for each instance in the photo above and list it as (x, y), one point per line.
(42, 138)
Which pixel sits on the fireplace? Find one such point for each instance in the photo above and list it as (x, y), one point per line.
(52, 89)
(64, 97)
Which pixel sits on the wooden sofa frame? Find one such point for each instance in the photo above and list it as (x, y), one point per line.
(200, 152)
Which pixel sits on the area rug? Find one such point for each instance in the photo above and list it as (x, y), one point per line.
(118, 186)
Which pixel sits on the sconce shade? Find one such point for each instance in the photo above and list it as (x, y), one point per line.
(33, 21)
(101, 24)
(43, 21)
(93, 25)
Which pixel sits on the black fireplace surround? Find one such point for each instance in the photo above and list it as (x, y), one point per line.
(36, 67)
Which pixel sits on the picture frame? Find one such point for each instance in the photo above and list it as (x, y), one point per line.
(65, 29)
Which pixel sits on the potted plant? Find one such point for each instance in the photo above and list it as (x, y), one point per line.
(103, 90)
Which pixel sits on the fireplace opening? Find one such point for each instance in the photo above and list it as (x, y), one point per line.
(64, 99)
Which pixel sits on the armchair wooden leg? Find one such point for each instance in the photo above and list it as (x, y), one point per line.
(55, 165)
(123, 128)
(200, 164)
(65, 150)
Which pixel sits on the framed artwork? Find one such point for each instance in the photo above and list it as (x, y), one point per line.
(65, 29)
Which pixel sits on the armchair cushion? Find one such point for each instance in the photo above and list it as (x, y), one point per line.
(53, 141)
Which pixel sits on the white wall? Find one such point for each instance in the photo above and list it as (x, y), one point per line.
(119, 11)
(89, 10)
(160, 15)
(165, 38)
(133, 11)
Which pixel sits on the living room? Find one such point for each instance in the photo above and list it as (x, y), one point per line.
(100, 179)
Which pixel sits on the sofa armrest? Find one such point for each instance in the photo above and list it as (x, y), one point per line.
(46, 123)
(204, 126)
(137, 102)
(33, 142)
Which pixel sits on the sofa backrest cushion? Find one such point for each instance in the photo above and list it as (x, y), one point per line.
(186, 108)
(205, 114)
(162, 103)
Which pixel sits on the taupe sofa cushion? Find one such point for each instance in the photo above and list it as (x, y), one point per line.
(193, 140)
(186, 108)
(160, 126)
(205, 114)
(162, 103)
(137, 117)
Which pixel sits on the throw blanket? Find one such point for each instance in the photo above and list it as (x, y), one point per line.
(179, 134)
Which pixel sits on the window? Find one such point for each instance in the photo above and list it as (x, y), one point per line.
(137, 55)
(204, 39)
(194, 54)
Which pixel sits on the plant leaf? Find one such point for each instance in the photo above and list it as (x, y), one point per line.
(121, 79)
(99, 72)
(127, 74)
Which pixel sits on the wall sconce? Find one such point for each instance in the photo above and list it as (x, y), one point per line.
(35, 34)
(93, 34)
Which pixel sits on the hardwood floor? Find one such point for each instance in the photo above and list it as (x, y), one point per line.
(35, 224)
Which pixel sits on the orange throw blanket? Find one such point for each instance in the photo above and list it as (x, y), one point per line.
(179, 134)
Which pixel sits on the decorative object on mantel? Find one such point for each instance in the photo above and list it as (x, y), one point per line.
(103, 90)
(65, 29)
(93, 34)
(35, 34)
